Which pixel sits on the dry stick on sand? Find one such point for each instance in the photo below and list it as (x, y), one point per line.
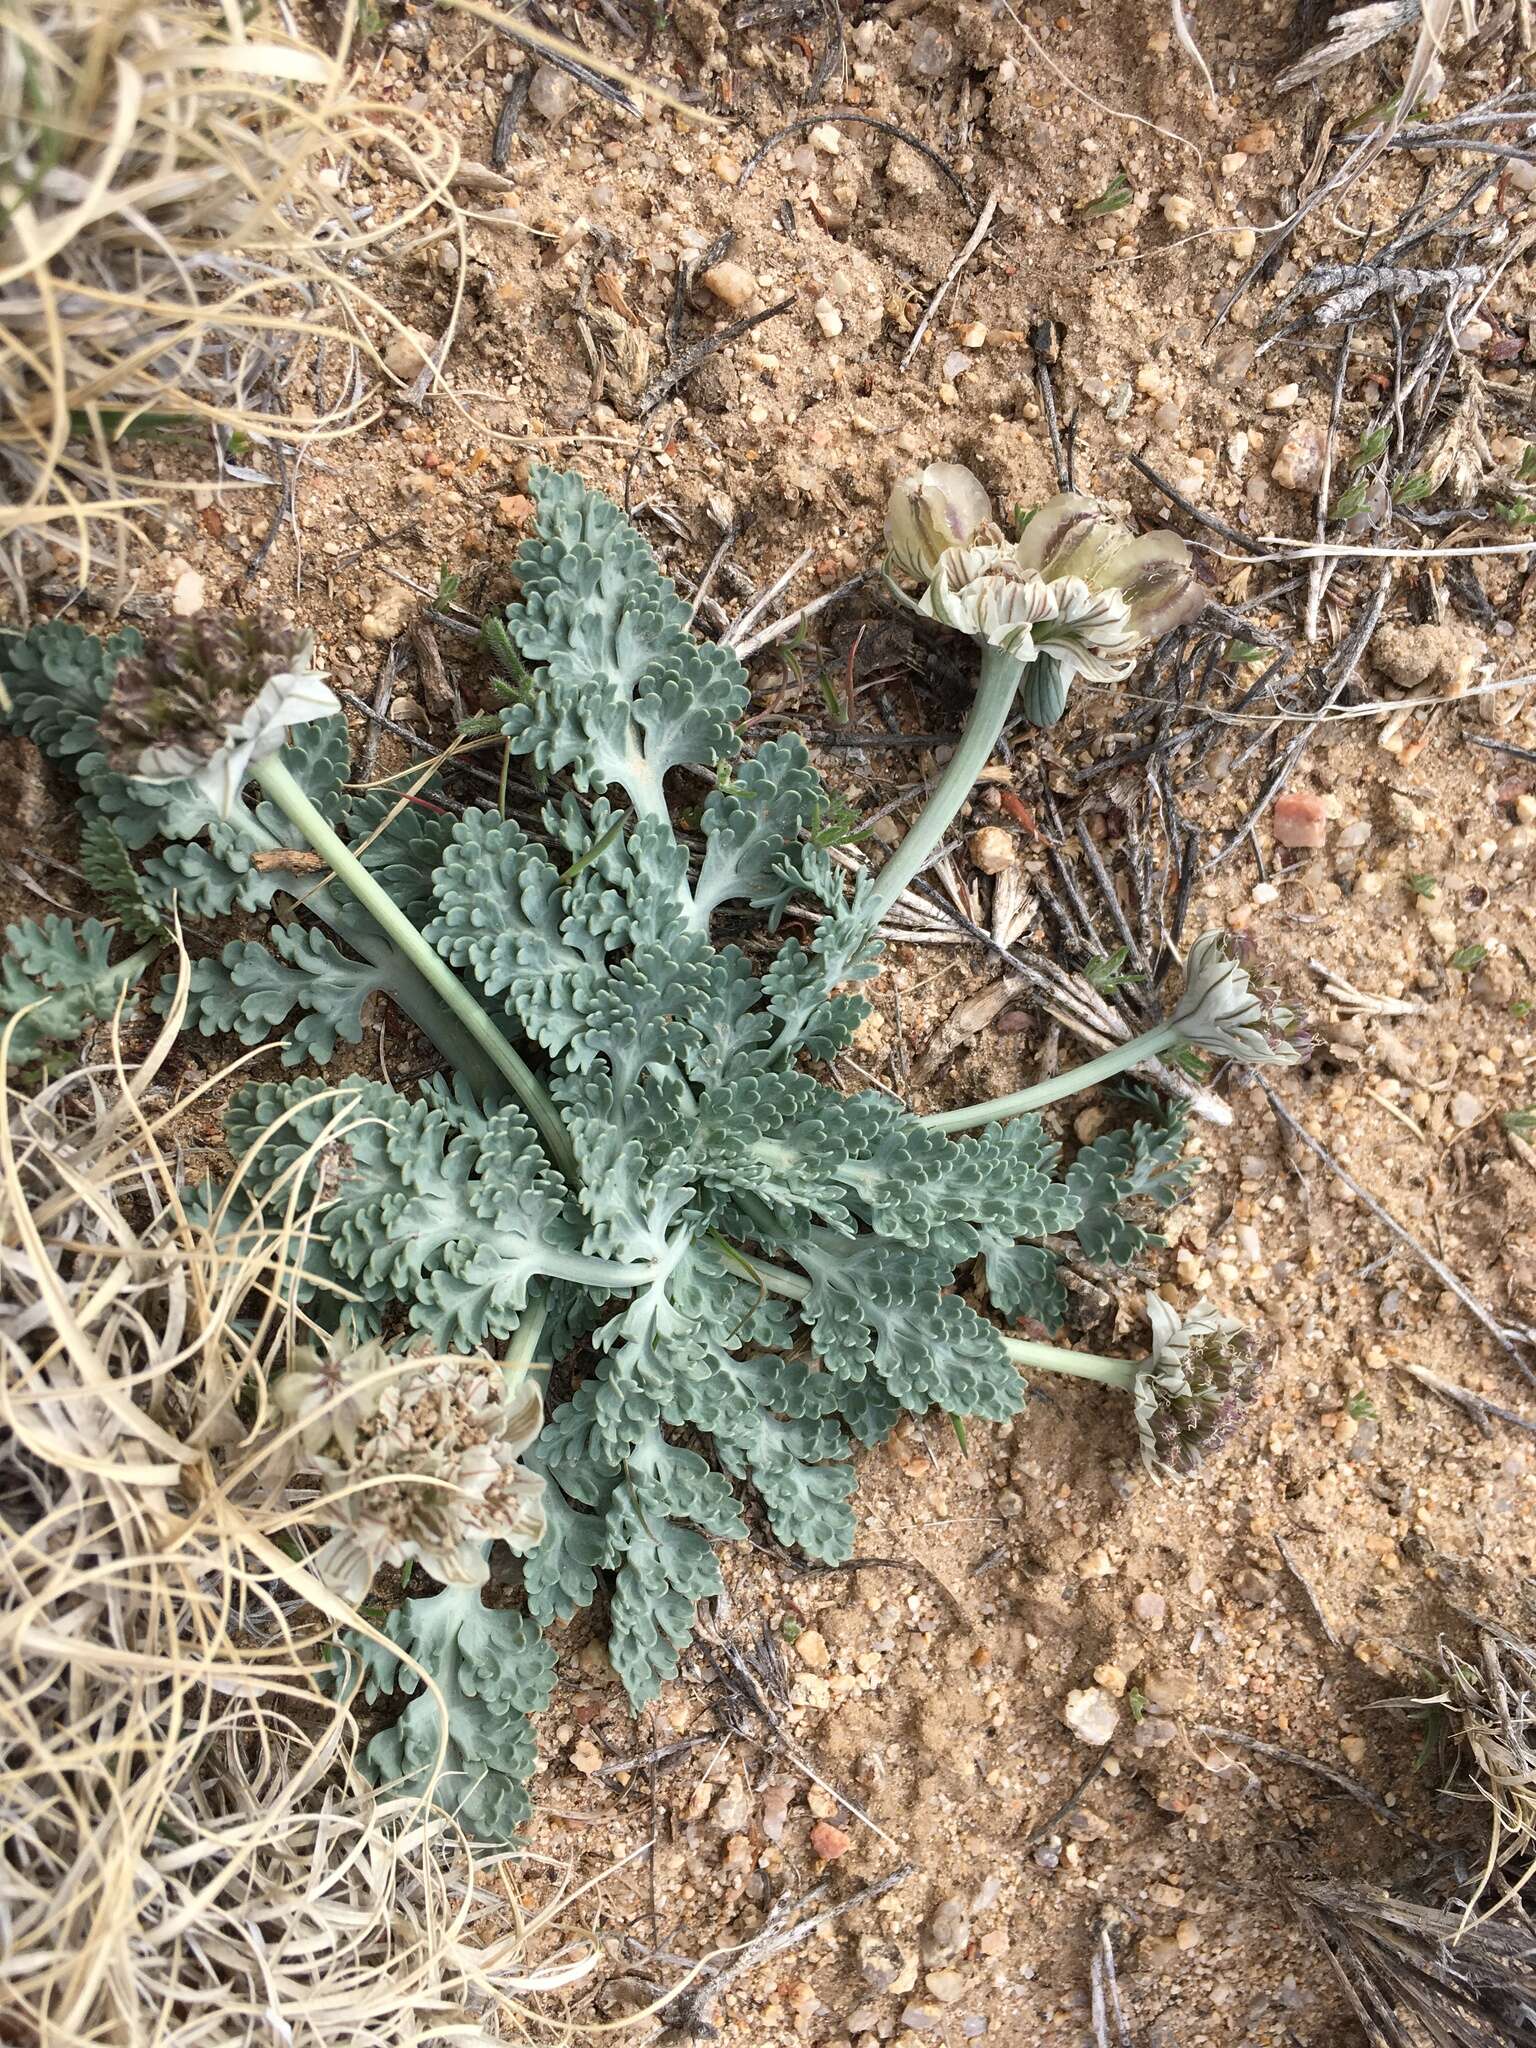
(977, 237)
(1438, 1267)
(1273, 1753)
(1345, 662)
(688, 2013)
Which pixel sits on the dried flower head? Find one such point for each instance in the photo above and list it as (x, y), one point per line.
(1075, 596)
(211, 695)
(426, 1467)
(942, 506)
(1223, 1013)
(1191, 1393)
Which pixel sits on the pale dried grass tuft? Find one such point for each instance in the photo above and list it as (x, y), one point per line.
(188, 226)
(188, 1854)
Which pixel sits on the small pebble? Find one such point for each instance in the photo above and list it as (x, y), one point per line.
(1300, 820)
(1244, 242)
(1298, 464)
(811, 1649)
(992, 849)
(586, 1757)
(1092, 1715)
(552, 93)
(1467, 1109)
(733, 1808)
(189, 595)
(1168, 1691)
(826, 138)
(947, 1986)
(1178, 211)
(1150, 1609)
(945, 1932)
(923, 2019)
(827, 318)
(731, 283)
(406, 352)
(1282, 398)
(829, 1842)
(932, 54)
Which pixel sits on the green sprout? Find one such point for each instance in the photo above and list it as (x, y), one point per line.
(1116, 193)
(1352, 500)
(1518, 1122)
(1246, 650)
(1370, 450)
(1465, 958)
(1424, 885)
(1526, 473)
(1362, 1408)
(1411, 490)
(1109, 973)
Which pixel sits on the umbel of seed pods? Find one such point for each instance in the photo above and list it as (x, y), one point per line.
(1074, 595)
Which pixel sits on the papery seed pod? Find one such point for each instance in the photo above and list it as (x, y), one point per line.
(208, 697)
(1221, 1012)
(429, 1473)
(942, 506)
(1075, 585)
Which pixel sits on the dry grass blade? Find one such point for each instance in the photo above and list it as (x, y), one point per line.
(179, 240)
(1489, 1704)
(1415, 1975)
(188, 1853)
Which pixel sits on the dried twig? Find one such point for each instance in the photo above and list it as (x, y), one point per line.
(689, 2013)
(662, 387)
(973, 243)
(1438, 1267)
(1329, 1773)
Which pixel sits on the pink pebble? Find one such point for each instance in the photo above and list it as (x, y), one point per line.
(1301, 821)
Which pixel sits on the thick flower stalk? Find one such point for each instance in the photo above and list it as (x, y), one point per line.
(210, 697)
(419, 1466)
(1188, 1395)
(1219, 1012)
(1074, 596)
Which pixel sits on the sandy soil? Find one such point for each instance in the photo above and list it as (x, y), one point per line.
(1289, 1592)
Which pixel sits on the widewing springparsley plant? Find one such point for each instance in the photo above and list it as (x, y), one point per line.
(633, 1165)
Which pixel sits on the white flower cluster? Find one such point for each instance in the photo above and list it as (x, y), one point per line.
(1190, 1394)
(419, 1462)
(1075, 595)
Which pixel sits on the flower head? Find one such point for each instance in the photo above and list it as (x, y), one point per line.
(942, 506)
(327, 1394)
(1074, 596)
(426, 1468)
(1223, 1013)
(209, 696)
(1191, 1393)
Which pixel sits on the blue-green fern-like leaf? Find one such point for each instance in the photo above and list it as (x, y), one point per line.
(623, 693)
(493, 1669)
(1116, 1168)
(250, 989)
(55, 979)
